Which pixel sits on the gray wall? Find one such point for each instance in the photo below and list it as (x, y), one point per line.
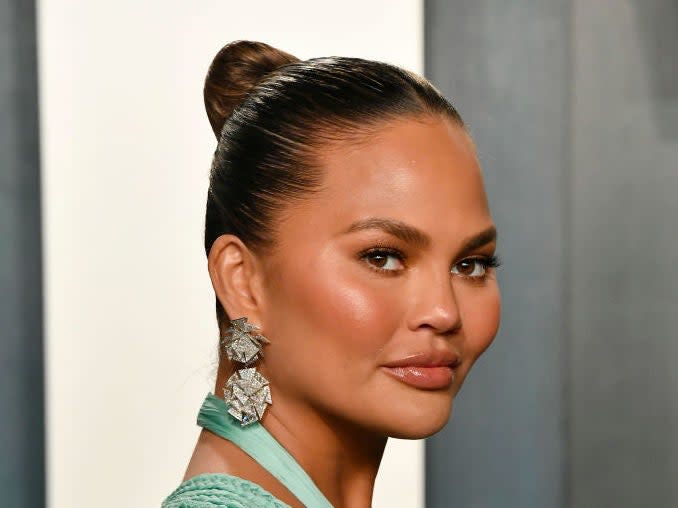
(21, 379)
(624, 397)
(506, 66)
(574, 108)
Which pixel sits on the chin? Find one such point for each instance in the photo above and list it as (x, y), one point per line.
(420, 419)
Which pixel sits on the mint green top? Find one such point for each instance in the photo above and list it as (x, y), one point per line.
(222, 490)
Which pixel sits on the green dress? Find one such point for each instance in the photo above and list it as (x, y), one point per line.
(222, 490)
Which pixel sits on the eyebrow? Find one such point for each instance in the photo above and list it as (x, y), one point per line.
(416, 237)
(399, 229)
(483, 238)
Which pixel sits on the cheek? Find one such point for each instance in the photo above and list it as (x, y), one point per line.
(336, 311)
(480, 316)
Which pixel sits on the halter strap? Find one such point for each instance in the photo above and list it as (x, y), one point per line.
(259, 444)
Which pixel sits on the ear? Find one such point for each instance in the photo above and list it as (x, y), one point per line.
(236, 278)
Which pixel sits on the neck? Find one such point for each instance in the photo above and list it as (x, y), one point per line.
(341, 459)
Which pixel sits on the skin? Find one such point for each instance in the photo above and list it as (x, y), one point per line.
(335, 315)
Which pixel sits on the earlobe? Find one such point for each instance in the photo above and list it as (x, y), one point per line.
(232, 269)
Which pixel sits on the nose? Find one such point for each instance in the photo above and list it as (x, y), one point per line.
(435, 305)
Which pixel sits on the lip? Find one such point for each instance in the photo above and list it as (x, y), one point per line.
(432, 370)
(426, 378)
(445, 358)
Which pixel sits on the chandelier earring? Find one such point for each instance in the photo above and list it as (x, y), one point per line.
(246, 391)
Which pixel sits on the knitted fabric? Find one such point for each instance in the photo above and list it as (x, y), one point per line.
(211, 490)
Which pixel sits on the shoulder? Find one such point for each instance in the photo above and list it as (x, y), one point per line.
(210, 490)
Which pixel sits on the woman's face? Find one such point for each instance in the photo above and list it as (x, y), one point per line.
(380, 281)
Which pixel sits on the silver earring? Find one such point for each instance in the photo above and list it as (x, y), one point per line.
(246, 392)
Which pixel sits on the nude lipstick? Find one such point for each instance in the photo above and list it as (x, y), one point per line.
(427, 371)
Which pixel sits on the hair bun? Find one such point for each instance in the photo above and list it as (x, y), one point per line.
(235, 70)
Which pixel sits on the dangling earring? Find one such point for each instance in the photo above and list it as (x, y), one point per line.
(246, 391)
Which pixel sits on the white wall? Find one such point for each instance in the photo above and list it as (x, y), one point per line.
(131, 337)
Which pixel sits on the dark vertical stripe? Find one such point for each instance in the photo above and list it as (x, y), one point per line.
(22, 429)
(506, 66)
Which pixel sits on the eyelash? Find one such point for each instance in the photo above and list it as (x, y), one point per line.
(486, 262)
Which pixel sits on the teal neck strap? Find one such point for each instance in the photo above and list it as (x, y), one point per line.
(259, 444)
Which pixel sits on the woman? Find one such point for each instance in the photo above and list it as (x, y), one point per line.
(351, 251)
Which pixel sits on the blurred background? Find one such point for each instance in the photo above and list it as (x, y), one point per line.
(107, 333)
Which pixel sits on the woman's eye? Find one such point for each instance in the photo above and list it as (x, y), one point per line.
(475, 268)
(384, 260)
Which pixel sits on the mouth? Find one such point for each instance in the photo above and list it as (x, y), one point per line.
(427, 371)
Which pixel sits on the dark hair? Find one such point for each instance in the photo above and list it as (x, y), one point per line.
(272, 114)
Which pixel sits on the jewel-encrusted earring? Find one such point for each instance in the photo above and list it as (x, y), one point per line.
(246, 392)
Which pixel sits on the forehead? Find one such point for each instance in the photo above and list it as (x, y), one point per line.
(420, 171)
(430, 163)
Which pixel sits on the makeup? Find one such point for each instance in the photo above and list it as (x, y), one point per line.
(427, 378)
(431, 370)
